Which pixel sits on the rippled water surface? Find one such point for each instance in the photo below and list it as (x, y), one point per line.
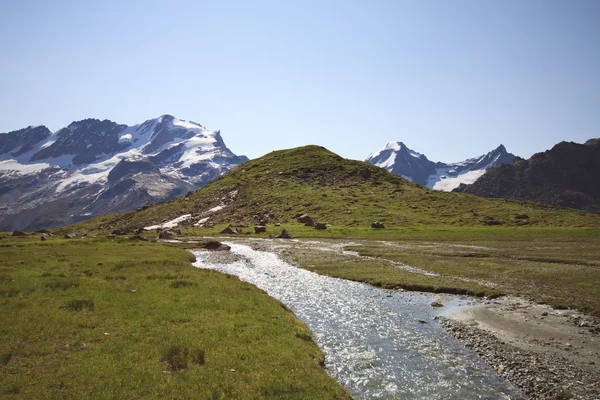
(377, 343)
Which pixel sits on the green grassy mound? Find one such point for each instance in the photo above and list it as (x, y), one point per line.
(337, 191)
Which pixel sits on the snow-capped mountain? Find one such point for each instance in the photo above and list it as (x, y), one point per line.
(94, 167)
(398, 159)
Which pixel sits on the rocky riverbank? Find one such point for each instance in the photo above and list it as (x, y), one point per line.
(547, 354)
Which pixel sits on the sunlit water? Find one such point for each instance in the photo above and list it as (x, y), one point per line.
(379, 344)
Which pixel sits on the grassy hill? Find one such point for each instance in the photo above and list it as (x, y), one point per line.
(337, 191)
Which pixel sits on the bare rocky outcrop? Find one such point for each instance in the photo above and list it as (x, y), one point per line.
(566, 176)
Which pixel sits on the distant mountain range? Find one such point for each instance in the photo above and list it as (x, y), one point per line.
(567, 175)
(398, 159)
(95, 167)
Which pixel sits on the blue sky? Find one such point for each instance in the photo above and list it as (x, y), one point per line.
(451, 79)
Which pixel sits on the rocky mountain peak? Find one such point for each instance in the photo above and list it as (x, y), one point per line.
(23, 140)
(397, 158)
(96, 166)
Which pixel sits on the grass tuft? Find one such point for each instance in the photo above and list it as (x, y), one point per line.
(182, 283)
(5, 358)
(176, 356)
(79, 305)
(61, 285)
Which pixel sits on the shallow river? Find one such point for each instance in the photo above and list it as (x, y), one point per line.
(379, 344)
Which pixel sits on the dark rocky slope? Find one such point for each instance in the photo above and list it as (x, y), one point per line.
(567, 176)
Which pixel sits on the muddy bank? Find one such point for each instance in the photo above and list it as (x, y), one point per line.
(548, 354)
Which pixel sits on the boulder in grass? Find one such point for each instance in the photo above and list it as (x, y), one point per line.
(19, 233)
(377, 225)
(44, 237)
(284, 235)
(231, 230)
(260, 229)
(304, 219)
(166, 234)
(138, 237)
(122, 231)
(320, 226)
(70, 236)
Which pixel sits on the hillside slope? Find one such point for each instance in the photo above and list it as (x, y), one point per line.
(283, 184)
(566, 175)
(94, 167)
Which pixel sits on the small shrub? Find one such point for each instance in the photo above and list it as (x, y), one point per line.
(61, 285)
(115, 278)
(5, 358)
(14, 389)
(177, 357)
(166, 276)
(303, 336)
(180, 320)
(122, 265)
(78, 305)
(198, 356)
(11, 292)
(181, 283)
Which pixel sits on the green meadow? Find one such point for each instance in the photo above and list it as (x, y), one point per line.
(107, 319)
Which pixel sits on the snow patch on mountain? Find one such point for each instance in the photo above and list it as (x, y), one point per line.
(443, 181)
(398, 159)
(170, 224)
(158, 159)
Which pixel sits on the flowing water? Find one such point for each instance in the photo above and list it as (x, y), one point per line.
(379, 344)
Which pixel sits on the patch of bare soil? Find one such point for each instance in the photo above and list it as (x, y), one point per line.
(547, 353)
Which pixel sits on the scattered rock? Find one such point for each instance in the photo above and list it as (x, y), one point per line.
(70, 236)
(260, 229)
(216, 245)
(491, 221)
(377, 225)
(138, 237)
(44, 237)
(305, 219)
(166, 234)
(122, 231)
(231, 230)
(19, 233)
(436, 304)
(277, 224)
(320, 226)
(284, 235)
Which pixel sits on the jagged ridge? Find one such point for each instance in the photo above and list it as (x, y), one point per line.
(567, 176)
(398, 159)
(92, 167)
